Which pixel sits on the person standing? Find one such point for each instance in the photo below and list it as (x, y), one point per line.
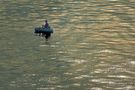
(46, 24)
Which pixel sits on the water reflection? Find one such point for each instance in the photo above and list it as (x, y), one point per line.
(92, 47)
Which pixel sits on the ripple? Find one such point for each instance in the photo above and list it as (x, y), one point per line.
(92, 48)
(132, 62)
(112, 0)
(67, 73)
(82, 76)
(77, 2)
(103, 81)
(96, 88)
(77, 61)
(43, 45)
(46, 88)
(119, 76)
(76, 84)
(106, 51)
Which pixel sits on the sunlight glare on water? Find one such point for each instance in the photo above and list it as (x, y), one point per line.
(92, 47)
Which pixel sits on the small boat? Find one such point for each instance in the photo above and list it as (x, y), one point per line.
(43, 30)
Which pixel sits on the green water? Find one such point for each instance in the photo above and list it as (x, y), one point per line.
(92, 47)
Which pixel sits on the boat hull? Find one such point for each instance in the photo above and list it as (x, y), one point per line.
(43, 30)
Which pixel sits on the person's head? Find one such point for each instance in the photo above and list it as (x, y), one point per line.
(46, 21)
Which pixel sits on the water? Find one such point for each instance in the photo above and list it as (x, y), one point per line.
(92, 47)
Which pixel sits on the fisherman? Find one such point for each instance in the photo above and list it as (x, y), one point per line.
(46, 24)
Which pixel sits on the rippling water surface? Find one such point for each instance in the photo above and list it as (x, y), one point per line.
(92, 48)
